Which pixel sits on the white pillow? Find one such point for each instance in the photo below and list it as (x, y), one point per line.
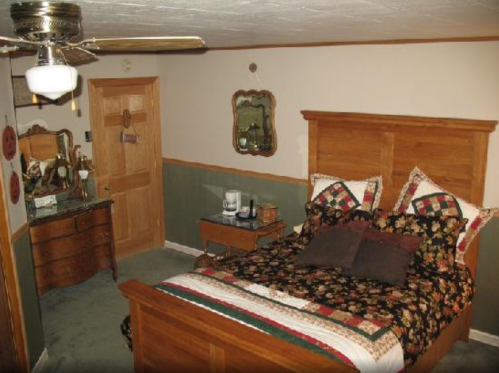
(430, 199)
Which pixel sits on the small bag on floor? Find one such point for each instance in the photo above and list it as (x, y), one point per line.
(126, 330)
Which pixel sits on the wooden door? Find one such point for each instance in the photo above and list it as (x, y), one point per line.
(13, 353)
(129, 173)
(8, 361)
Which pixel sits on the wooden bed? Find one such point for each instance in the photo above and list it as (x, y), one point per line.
(172, 335)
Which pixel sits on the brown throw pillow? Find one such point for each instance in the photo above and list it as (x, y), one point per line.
(331, 248)
(382, 261)
(404, 241)
(360, 226)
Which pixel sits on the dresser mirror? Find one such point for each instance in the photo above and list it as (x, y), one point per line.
(47, 161)
(254, 128)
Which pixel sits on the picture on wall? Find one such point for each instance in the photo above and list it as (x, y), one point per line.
(23, 96)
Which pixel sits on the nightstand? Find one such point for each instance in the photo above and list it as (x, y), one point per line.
(233, 232)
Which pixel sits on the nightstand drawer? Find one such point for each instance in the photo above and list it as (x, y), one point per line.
(228, 236)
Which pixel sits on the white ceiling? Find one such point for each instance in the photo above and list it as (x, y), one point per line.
(229, 23)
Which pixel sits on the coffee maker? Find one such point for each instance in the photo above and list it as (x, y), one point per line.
(232, 202)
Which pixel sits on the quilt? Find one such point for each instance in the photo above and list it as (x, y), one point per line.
(364, 344)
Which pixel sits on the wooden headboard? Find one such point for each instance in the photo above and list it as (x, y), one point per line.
(452, 152)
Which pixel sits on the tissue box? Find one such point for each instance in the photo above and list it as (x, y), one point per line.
(266, 212)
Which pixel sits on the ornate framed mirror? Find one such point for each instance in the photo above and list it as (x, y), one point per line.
(254, 127)
(47, 161)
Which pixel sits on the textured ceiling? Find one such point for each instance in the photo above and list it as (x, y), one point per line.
(230, 23)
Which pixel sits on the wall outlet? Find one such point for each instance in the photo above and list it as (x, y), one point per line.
(88, 136)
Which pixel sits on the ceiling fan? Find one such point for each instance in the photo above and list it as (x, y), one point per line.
(53, 30)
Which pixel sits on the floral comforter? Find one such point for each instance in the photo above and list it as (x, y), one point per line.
(416, 313)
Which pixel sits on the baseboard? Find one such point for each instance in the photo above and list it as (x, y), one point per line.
(483, 337)
(182, 248)
(40, 364)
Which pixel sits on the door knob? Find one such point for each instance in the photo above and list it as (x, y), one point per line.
(107, 187)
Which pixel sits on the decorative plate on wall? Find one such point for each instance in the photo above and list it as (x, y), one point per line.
(9, 142)
(15, 188)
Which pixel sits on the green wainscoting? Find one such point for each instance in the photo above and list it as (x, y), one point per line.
(29, 298)
(191, 193)
(486, 302)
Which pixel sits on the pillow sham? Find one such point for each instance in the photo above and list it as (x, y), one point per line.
(324, 216)
(331, 248)
(346, 195)
(440, 233)
(421, 196)
(382, 261)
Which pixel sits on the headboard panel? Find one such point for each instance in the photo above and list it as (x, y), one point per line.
(452, 152)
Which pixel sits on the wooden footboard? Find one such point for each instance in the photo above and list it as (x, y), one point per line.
(172, 335)
(175, 336)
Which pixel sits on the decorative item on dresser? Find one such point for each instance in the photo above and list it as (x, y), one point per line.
(71, 242)
(171, 330)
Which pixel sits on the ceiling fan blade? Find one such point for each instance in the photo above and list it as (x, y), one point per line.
(12, 45)
(78, 56)
(147, 44)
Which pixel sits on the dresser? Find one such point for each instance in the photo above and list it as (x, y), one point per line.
(71, 242)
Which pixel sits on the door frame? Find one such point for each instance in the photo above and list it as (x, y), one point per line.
(93, 85)
(8, 263)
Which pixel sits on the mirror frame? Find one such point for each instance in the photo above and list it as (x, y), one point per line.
(35, 130)
(264, 93)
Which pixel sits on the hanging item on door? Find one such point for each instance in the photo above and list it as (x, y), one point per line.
(132, 138)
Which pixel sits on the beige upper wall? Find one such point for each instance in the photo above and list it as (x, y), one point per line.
(60, 116)
(441, 79)
(17, 212)
(458, 80)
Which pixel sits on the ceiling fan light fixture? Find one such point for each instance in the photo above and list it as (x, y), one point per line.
(52, 81)
(53, 29)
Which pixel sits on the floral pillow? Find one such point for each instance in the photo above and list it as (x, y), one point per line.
(440, 234)
(346, 195)
(319, 216)
(421, 196)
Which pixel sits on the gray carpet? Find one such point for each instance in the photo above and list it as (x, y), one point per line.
(81, 322)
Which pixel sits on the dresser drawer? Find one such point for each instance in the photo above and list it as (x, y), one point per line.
(51, 230)
(73, 270)
(93, 218)
(66, 247)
